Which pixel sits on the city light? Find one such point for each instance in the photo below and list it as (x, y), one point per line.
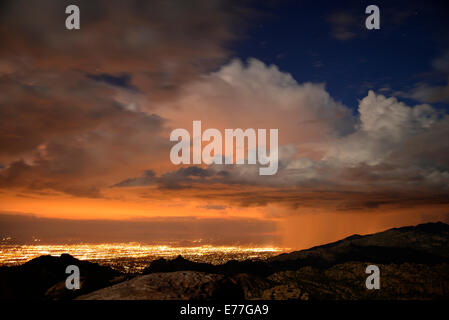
(134, 257)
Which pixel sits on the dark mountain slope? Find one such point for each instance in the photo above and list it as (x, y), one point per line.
(44, 278)
(426, 244)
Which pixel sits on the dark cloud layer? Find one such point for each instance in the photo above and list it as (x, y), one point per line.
(171, 40)
(54, 132)
(71, 116)
(359, 189)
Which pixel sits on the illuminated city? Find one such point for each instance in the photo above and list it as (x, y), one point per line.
(134, 257)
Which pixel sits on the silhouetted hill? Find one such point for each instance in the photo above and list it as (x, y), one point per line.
(44, 278)
(426, 244)
(259, 268)
(182, 285)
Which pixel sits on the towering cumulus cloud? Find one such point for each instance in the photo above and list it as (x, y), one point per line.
(320, 134)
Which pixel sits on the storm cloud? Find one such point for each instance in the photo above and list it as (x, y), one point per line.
(77, 113)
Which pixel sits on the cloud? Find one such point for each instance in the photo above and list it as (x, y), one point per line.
(213, 207)
(178, 179)
(70, 135)
(389, 153)
(442, 63)
(263, 97)
(147, 179)
(430, 94)
(335, 190)
(122, 80)
(78, 113)
(385, 123)
(344, 25)
(162, 43)
(433, 93)
(317, 134)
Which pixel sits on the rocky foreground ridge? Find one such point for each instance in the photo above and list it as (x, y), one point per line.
(413, 261)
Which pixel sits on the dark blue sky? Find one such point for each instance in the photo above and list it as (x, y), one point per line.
(326, 41)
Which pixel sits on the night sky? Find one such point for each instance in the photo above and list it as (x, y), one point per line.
(326, 41)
